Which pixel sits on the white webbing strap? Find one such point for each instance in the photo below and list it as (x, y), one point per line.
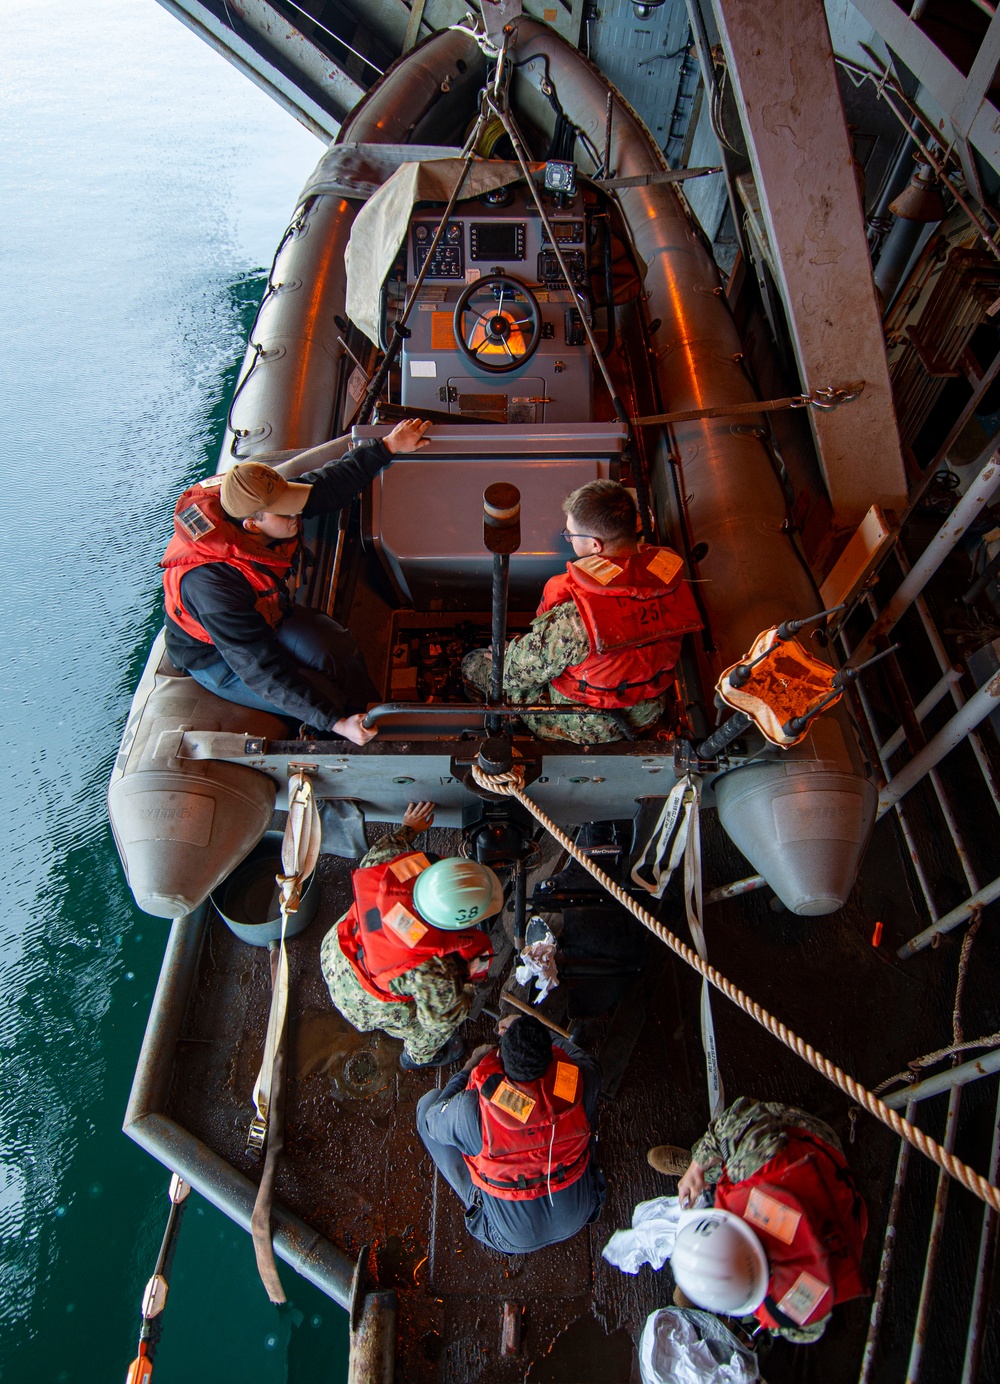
(667, 842)
(677, 835)
(299, 854)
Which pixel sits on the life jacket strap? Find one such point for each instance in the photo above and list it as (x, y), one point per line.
(585, 686)
(522, 1183)
(776, 1313)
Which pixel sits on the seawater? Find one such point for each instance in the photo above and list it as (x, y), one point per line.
(144, 185)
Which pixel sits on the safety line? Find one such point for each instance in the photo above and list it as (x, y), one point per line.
(512, 784)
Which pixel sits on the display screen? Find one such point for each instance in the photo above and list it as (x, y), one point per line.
(571, 231)
(497, 240)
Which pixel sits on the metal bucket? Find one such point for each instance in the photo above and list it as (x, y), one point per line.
(247, 900)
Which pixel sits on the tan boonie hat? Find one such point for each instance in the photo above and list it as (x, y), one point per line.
(250, 486)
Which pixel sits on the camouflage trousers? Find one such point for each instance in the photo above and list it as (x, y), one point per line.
(589, 727)
(748, 1133)
(421, 1038)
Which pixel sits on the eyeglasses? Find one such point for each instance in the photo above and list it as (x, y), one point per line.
(570, 536)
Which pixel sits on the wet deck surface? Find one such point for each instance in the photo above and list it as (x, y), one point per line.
(354, 1166)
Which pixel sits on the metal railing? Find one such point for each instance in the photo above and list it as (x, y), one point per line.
(927, 754)
(961, 728)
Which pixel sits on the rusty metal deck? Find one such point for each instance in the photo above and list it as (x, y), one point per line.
(354, 1168)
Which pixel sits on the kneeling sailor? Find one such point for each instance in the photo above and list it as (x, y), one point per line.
(783, 1241)
(513, 1135)
(405, 956)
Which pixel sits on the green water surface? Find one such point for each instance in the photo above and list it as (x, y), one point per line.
(144, 184)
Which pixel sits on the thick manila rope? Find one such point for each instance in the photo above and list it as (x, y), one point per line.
(511, 784)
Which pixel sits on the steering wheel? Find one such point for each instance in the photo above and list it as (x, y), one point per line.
(498, 323)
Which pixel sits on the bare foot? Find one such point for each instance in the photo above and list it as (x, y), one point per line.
(350, 728)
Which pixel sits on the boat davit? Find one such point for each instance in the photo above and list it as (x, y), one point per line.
(611, 311)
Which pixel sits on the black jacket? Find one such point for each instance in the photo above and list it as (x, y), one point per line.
(222, 600)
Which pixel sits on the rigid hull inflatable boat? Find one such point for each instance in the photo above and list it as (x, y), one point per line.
(197, 779)
(557, 296)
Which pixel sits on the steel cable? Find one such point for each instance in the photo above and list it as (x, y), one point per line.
(511, 784)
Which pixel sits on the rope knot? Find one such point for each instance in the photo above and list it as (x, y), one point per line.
(511, 781)
(291, 891)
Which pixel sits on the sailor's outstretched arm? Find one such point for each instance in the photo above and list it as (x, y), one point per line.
(338, 482)
(296, 463)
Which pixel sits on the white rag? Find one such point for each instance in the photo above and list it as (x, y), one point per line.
(651, 1239)
(539, 962)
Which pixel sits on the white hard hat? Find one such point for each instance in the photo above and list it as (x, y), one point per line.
(719, 1263)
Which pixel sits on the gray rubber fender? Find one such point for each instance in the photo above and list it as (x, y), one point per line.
(182, 825)
(803, 818)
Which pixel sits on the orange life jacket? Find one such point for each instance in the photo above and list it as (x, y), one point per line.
(536, 1134)
(382, 935)
(804, 1206)
(635, 610)
(203, 533)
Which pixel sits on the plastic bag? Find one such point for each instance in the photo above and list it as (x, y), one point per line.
(651, 1239)
(683, 1346)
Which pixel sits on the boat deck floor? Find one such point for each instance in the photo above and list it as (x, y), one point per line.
(355, 1169)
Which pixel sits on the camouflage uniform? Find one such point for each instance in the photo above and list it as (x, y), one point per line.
(742, 1139)
(557, 641)
(438, 997)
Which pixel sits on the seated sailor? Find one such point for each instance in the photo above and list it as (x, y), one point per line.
(231, 622)
(607, 632)
(405, 956)
(783, 1243)
(512, 1134)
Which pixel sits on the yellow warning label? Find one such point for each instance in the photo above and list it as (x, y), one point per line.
(405, 924)
(409, 865)
(665, 565)
(599, 568)
(443, 332)
(512, 1100)
(772, 1215)
(565, 1084)
(550, 16)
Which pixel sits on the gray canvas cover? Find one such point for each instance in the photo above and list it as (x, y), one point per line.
(380, 227)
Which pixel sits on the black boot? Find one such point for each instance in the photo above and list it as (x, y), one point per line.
(448, 1052)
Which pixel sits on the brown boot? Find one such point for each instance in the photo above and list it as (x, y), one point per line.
(669, 1160)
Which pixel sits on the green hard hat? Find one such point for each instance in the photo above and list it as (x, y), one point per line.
(456, 894)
